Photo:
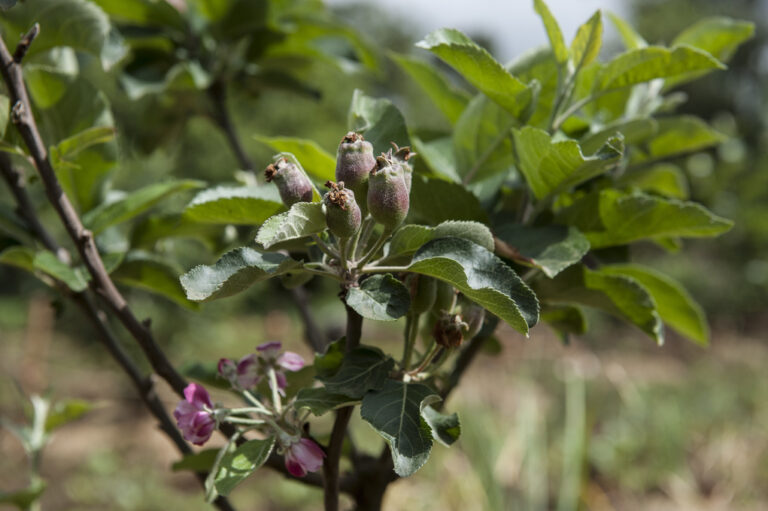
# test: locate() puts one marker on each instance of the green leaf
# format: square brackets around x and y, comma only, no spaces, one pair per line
[448,99]
[551,248]
[585,46]
[646,64]
[380,297]
[434,201]
[64,412]
[5,113]
[143,12]
[611,218]
[565,320]
[246,205]
[181,77]
[133,204]
[197,461]
[70,147]
[538,64]
[663,179]
[634,132]
[328,363]
[319,401]
[678,135]
[410,237]
[236,271]
[616,294]
[7,4]
[556,40]
[718,36]
[242,462]
[87,28]
[314,159]
[20,257]
[48,75]
[481,276]
[303,219]
[632,40]
[395,412]
[149,272]
[157,227]
[482,143]
[479,68]
[380,121]
[75,278]
[676,307]
[445,428]
[554,167]
[24,498]
[364,368]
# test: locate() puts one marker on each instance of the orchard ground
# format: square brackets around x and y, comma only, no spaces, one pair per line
[673,427]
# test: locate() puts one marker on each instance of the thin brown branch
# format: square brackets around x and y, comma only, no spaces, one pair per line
[333,452]
[217,92]
[21,115]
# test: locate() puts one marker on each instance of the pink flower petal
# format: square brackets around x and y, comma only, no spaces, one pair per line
[269,350]
[290,361]
[197,396]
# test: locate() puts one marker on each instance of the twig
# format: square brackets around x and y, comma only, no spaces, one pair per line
[218,94]
[463,361]
[333,452]
[98,318]
[311,330]
[21,115]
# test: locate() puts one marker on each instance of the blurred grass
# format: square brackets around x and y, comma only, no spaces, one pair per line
[618,425]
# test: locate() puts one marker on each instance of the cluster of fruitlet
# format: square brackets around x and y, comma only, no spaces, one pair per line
[384,181]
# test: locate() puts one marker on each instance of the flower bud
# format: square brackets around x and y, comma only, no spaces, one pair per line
[423,290]
[473,315]
[292,183]
[388,200]
[342,214]
[449,330]
[354,161]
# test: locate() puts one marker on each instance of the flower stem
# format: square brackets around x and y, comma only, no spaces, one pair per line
[276,402]
[411,332]
[376,247]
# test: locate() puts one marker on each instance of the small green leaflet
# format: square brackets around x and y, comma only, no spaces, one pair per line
[551,248]
[246,205]
[236,271]
[319,401]
[303,219]
[380,121]
[380,297]
[364,368]
[236,466]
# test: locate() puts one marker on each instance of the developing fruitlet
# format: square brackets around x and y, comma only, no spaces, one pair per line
[292,183]
[473,315]
[388,200]
[423,290]
[449,330]
[402,155]
[342,214]
[444,296]
[354,161]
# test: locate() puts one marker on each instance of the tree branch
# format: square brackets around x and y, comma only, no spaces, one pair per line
[333,452]
[218,94]
[144,385]
[21,115]
[312,332]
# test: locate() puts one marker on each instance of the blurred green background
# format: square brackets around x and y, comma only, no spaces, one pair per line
[671,427]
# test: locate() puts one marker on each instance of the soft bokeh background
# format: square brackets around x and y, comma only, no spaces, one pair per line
[671,427]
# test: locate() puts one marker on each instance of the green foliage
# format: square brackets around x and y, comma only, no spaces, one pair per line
[302,220]
[380,297]
[236,466]
[481,276]
[395,412]
[362,369]
[552,248]
[228,205]
[319,401]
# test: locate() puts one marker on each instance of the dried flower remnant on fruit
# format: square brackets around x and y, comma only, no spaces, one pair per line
[473,316]
[402,155]
[449,330]
[342,213]
[292,183]
[388,194]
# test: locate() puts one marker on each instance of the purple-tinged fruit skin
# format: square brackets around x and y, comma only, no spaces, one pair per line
[294,186]
[388,194]
[342,213]
[354,161]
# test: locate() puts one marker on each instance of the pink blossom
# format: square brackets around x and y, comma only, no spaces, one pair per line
[194,415]
[244,375]
[290,361]
[303,456]
[269,350]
